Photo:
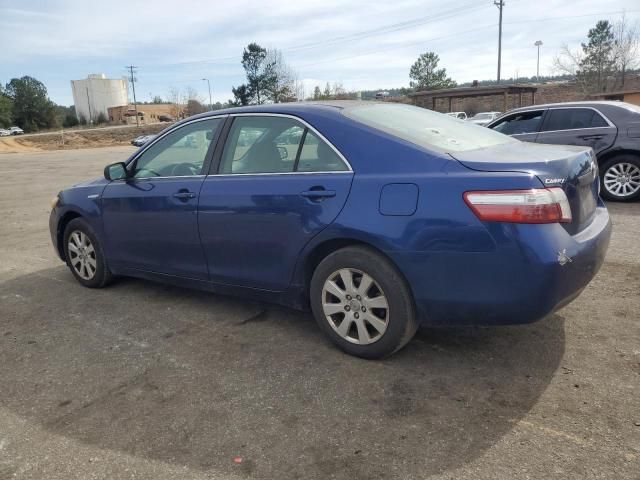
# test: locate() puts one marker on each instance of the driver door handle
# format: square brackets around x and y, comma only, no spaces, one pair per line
[184,195]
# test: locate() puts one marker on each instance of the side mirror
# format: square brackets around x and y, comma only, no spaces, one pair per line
[115,171]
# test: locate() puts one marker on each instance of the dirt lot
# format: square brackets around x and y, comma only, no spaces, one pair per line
[72,139]
[146,381]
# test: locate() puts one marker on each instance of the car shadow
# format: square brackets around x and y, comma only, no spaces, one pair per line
[197,379]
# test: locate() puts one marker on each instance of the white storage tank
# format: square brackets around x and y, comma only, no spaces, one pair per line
[96,94]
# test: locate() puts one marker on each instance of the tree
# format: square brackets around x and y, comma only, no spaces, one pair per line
[598,61]
[317,94]
[6,109]
[157,99]
[177,101]
[283,85]
[241,96]
[626,47]
[32,108]
[326,95]
[194,107]
[260,73]
[425,74]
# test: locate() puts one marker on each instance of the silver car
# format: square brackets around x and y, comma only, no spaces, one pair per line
[612,129]
[484,118]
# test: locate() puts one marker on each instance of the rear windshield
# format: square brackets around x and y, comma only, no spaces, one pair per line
[426,128]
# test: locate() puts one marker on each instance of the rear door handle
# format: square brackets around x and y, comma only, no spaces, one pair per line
[318,194]
[184,195]
[591,137]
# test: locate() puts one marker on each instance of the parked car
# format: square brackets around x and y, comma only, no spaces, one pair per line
[458,115]
[612,129]
[4,132]
[484,118]
[166,118]
[16,131]
[381,95]
[386,217]
[142,139]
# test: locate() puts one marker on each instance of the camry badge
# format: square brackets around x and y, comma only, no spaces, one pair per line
[553,181]
[563,258]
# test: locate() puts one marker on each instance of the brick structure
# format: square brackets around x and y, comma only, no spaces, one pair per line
[506,97]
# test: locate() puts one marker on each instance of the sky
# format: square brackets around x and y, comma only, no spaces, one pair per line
[362,44]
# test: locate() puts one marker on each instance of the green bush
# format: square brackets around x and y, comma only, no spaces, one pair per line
[70,120]
[102,118]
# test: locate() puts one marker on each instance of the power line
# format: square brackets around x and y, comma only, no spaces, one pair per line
[457,34]
[384,29]
[132,68]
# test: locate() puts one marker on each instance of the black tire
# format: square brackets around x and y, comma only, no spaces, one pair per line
[619,163]
[101,274]
[400,317]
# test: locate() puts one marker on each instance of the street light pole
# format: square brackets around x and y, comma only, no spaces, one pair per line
[538,44]
[209,84]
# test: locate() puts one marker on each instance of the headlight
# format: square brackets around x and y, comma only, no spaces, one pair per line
[54,201]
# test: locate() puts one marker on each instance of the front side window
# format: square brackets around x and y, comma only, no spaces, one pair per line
[426,128]
[573,119]
[180,153]
[519,123]
[273,144]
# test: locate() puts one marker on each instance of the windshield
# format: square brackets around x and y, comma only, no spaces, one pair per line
[482,116]
[426,128]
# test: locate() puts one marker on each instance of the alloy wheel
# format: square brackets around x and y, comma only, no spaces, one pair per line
[355,306]
[622,179]
[82,254]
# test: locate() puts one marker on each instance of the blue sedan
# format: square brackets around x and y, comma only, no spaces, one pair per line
[377,216]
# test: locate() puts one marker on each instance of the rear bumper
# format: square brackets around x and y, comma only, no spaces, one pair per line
[521,281]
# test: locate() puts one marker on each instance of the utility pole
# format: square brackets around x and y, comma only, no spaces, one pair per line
[210,102]
[538,44]
[89,105]
[133,86]
[500,5]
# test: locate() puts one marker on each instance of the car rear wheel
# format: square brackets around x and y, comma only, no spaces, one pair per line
[620,178]
[84,255]
[362,303]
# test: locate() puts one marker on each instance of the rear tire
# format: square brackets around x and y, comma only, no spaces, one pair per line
[84,255]
[362,303]
[620,178]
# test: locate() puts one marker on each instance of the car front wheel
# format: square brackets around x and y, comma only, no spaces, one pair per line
[362,303]
[620,178]
[84,255]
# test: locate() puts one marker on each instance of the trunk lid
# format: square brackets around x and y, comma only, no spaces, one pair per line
[574,169]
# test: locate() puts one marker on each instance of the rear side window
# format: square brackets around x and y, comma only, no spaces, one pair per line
[519,123]
[573,119]
[273,144]
[317,156]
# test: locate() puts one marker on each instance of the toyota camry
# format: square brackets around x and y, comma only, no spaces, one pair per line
[378,217]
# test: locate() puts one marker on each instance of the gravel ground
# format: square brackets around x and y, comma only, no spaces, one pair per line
[146,381]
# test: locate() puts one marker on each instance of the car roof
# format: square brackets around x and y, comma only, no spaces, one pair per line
[586,103]
[293,107]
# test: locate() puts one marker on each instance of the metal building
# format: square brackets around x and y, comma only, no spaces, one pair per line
[96,94]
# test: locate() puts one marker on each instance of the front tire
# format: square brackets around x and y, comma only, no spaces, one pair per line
[84,255]
[620,178]
[362,303]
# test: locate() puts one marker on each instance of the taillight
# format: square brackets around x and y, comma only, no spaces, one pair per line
[538,205]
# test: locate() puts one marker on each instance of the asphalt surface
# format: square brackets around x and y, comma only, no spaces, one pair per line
[146,381]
